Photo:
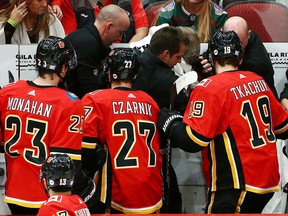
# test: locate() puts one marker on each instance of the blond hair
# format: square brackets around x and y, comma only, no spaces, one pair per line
[193,48]
[42,23]
[204,28]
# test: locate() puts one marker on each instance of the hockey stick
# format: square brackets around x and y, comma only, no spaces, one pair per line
[181,83]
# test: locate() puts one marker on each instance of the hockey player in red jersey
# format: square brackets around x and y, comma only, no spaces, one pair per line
[236,116]
[57,177]
[39,119]
[125,121]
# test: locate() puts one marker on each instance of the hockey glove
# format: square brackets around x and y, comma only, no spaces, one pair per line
[100,156]
[167,119]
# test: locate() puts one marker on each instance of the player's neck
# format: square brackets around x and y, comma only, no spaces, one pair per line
[219,69]
[121,83]
[48,80]
[54,193]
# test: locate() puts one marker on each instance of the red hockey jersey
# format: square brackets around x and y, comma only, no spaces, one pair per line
[64,205]
[125,121]
[243,117]
[37,121]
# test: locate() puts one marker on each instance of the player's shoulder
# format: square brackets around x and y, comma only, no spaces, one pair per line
[217,82]
[71,96]
[64,95]
[143,96]
[65,100]
[247,76]
[97,95]
[15,84]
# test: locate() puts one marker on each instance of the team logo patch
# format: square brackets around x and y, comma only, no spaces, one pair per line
[218,9]
[49,159]
[72,96]
[114,76]
[61,44]
[192,17]
[204,82]
[170,6]
[52,67]
[51,182]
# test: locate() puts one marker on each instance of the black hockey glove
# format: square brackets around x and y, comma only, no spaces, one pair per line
[100,155]
[94,159]
[167,119]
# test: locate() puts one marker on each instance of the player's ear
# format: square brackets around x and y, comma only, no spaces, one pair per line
[64,70]
[109,77]
[44,183]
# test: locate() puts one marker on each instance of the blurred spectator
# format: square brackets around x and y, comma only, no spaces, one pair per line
[92,46]
[139,25]
[25,22]
[73,14]
[204,16]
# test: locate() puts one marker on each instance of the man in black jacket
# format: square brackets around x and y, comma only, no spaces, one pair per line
[155,77]
[92,46]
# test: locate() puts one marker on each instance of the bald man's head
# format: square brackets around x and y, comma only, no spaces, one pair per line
[240,26]
[112,13]
[112,22]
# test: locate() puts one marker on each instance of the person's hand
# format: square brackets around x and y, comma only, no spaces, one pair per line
[167,119]
[58,12]
[207,67]
[19,12]
[284,103]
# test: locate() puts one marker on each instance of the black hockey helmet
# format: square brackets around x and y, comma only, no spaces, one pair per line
[225,44]
[54,52]
[58,172]
[122,64]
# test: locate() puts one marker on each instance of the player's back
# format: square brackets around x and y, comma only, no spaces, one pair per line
[243,114]
[37,121]
[126,122]
[71,205]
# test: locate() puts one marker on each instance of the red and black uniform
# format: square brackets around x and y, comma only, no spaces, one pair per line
[125,120]
[37,121]
[71,205]
[236,115]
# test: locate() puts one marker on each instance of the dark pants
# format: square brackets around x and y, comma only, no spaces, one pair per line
[236,201]
[16,209]
[172,201]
